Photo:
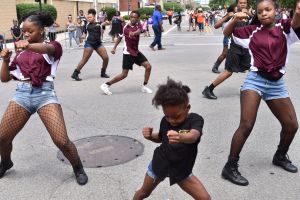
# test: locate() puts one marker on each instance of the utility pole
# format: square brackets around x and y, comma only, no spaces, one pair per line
[128,6]
[40,2]
[95,7]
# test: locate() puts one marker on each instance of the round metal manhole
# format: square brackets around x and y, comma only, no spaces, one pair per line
[106,150]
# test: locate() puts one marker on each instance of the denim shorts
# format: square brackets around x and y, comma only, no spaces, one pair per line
[94,46]
[225,41]
[267,89]
[151,173]
[33,98]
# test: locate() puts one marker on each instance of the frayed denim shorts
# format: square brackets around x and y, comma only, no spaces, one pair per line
[267,89]
[33,98]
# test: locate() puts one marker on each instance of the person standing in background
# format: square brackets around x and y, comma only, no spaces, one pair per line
[84,22]
[157,28]
[52,31]
[170,15]
[16,32]
[102,17]
[71,27]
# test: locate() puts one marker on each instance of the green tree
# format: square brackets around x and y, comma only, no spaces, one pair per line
[146,10]
[287,3]
[174,6]
[110,12]
[25,8]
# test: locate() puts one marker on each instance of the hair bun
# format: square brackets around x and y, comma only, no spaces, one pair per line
[186,88]
[41,17]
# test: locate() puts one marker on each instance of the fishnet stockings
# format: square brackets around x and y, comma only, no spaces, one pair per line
[52,117]
[13,120]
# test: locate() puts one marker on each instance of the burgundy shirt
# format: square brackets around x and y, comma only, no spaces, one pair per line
[28,65]
[269,47]
[131,43]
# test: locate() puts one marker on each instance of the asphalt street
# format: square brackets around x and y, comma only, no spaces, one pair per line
[189,56]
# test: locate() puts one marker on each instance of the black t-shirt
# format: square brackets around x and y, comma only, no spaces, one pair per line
[16,30]
[176,160]
[94,33]
[84,20]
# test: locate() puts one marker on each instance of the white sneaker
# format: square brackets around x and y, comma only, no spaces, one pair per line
[146,90]
[105,88]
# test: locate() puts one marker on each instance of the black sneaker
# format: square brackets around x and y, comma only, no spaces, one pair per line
[208,94]
[4,166]
[81,176]
[231,173]
[284,162]
[104,76]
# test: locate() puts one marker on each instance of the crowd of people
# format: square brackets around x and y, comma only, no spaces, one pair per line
[253,35]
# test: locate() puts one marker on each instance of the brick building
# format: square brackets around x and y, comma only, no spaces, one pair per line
[125,5]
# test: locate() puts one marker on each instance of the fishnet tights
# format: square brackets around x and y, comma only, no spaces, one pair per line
[52,117]
[14,119]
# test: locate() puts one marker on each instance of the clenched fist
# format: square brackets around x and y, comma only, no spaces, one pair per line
[5,54]
[147,132]
[173,136]
[21,45]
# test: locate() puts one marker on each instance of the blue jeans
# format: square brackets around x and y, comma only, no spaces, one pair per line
[72,35]
[157,38]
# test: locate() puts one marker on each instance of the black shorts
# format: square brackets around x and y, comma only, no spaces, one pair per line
[237,59]
[129,60]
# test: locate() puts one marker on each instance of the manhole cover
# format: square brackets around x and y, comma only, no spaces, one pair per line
[106,150]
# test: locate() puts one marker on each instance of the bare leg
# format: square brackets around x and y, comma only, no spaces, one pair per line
[220,59]
[222,77]
[147,67]
[103,54]
[223,54]
[148,186]
[87,52]
[195,188]
[119,77]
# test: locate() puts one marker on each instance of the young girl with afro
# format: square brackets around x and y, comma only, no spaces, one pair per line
[179,135]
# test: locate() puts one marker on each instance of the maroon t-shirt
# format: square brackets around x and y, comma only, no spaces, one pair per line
[269,47]
[131,43]
[28,65]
